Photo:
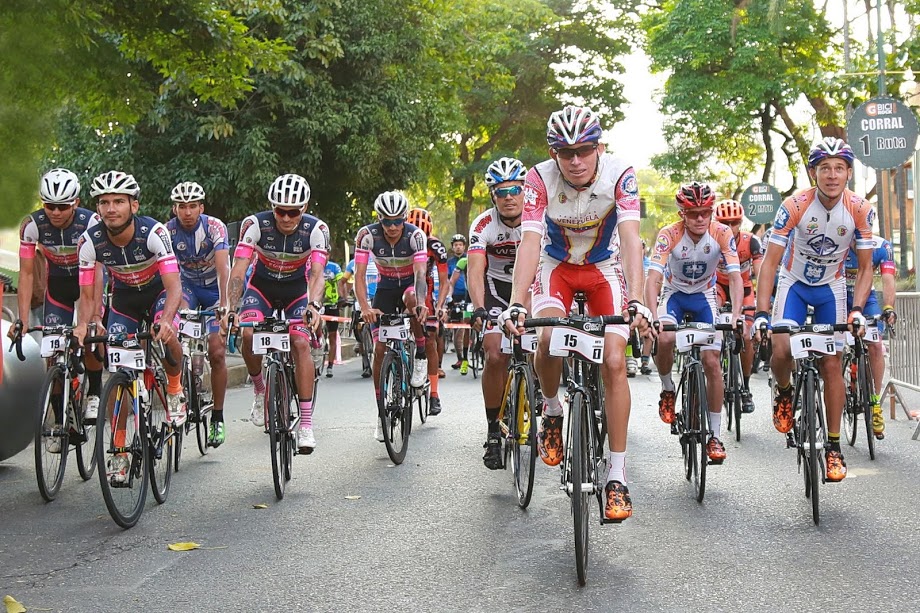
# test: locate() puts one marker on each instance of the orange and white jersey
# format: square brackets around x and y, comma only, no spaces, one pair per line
[817,239]
[690,267]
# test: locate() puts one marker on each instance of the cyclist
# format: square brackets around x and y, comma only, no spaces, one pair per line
[371,284]
[288,245]
[685,259]
[826,219]
[574,205]
[731,213]
[494,238]
[883,261]
[55,229]
[437,270]
[458,300]
[138,254]
[333,299]
[202,249]
[401,251]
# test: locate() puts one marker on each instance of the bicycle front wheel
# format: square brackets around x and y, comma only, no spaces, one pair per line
[851,403]
[523,434]
[278,403]
[700,431]
[736,386]
[122,452]
[582,482]
[162,442]
[86,444]
[51,434]
[392,407]
[866,389]
[810,408]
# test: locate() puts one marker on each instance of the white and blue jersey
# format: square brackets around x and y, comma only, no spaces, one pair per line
[882,262]
[196,249]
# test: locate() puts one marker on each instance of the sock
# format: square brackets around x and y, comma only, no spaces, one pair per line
[258,383]
[553,407]
[306,413]
[617,461]
[873,399]
[95,382]
[833,439]
[747,383]
[715,423]
[466,351]
[420,348]
[667,384]
[645,360]
[174,383]
[217,416]
[433,380]
[492,419]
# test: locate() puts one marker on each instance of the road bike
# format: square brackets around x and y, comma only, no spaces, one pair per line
[517,416]
[860,385]
[193,336]
[732,376]
[394,405]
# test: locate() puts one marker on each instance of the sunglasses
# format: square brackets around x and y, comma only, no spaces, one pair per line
[289,213]
[582,152]
[392,222]
[504,192]
[54,206]
[698,214]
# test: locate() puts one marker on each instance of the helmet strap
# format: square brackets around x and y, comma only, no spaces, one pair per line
[116,231]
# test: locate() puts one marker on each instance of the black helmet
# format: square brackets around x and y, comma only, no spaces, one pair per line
[458,238]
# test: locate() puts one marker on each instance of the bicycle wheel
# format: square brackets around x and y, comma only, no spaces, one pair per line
[736,386]
[367,344]
[582,482]
[86,435]
[203,425]
[278,414]
[851,404]
[52,441]
[124,498]
[809,408]
[420,397]
[866,388]
[523,433]
[391,407]
[700,432]
[163,444]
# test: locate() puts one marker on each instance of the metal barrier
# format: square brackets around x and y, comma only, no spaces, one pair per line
[904,347]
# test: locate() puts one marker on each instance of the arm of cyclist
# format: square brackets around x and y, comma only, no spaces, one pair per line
[653,290]
[173,286]
[861,289]
[765,284]
[476,285]
[315,292]
[525,269]
[363,244]
[889,291]
[631,250]
[222,260]
[24,295]
[235,286]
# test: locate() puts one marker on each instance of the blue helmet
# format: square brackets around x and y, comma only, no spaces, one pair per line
[830,147]
[573,125]
[505,169]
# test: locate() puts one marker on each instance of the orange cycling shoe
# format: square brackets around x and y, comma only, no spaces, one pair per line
[618,506]
[782,410]
[549,439]
[715,450]
[666,407]
[836,467]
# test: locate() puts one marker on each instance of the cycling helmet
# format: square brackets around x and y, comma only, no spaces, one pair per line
[114,182]
[289,190]
[391,204]
[830,147]
[505,169]
[695,196]
[573,125]
[457,238]
[59,186]
[421,219]
[729,210]
[187,191]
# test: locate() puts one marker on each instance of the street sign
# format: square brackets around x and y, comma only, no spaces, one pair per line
[883,133]
[760,202]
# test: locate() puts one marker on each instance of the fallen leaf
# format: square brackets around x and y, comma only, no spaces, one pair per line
[13,605]
[260,506]
[352,498]
[182,546]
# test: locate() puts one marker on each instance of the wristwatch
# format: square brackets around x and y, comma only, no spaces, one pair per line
[319,307]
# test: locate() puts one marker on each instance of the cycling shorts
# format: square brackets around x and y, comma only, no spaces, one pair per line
[263,297]
[458,306]
[205,298]
[60,296]
[700,307]
[603,284]
[828,301]
[130,307]
[332,311]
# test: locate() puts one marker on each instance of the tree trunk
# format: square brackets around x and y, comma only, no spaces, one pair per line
[462,207]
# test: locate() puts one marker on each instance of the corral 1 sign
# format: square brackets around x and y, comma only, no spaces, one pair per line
[883,133]
[760,202]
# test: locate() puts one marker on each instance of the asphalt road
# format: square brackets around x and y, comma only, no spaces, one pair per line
[442,533]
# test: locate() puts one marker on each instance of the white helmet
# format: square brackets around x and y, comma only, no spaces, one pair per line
[573,125]
[289,190]
[391,204]
[114,182]
[505,169]
[59,186]
[187,191]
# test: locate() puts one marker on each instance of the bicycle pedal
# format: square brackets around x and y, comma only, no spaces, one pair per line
[790,442]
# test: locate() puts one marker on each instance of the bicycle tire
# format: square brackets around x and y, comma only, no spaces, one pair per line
[866,389]
[422,400]
[737,385]
[49,467]
[124,503]
[810,409]
[851,402]
[276,435]
[86,446]
[391,407]
[202,428]
[367,343]
[698,447]
[161,440]
[523,435]
[579,498]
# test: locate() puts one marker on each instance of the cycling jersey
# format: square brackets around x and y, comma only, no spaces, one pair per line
[282,257]
[690,267]
[815,254]
[59,245]
[578,225]
[394,262]
[882,261]
[138,265]
[332,274]
[370,276]
[749,253]
[460,285]
[196,249]
[437,262]
[489,235]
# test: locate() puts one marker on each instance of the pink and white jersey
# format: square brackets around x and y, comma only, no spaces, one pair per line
[816,239]
[146,257]
[578,226]
[490,235]
[283,257]
[59,245]
[690,267]
[395,262]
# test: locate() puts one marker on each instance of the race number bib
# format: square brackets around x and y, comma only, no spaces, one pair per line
[263,341]
[120,357]
[569,340]
[394,333]
[53,343]
[807,342]
[725,318]
[191,329]
[692,336]
[872,336]
[528,343]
